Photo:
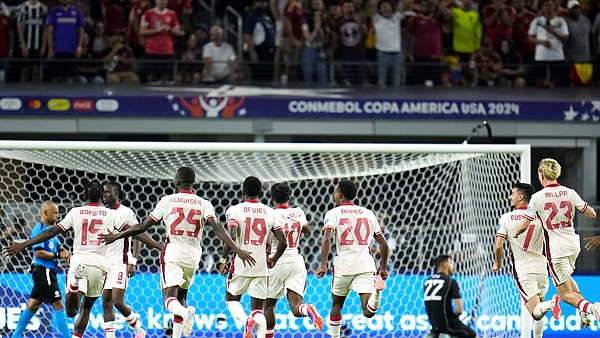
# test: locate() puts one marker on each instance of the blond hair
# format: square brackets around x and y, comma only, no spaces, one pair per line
[550,168]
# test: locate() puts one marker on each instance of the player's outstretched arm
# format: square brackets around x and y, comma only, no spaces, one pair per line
[522,227]
[128,231]
[146,239]
[325,250]
[384,253]
[281,246]
[45,235]
[224,236]
[498,252]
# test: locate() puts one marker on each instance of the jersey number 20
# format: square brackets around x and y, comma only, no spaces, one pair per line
[361,231]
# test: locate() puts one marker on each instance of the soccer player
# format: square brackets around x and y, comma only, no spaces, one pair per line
[440,290]
[289,274]
[45,287]
[249,223]
[555,205]
[353,267]
[529,265]
[122,266]
[88,264]
[184,214]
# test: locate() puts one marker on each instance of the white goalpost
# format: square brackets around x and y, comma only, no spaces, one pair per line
[433,199]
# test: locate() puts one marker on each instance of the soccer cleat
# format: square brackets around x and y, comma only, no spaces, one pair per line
[584,319]
[188,321]
[248,328]
[379,283]
[315,317]
[141,334]
[79,272]
[556,313]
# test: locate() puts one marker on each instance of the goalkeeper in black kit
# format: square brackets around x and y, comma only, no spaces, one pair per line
[439,291]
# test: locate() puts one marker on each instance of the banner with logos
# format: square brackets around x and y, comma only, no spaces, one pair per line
[259,104]
[397,317]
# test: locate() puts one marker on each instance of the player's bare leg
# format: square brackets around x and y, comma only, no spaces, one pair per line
[84,316]
[301,309]
[237,311]
[270,304]
[370,301]
[538,308]
[118,297]
[258,316]
[109,313]
[585,319]
[73,296]
[575,299]
[183,315]
[335,316]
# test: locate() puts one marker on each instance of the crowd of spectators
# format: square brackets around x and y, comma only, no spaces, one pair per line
[374,42]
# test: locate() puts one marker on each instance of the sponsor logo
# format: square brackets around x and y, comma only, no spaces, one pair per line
[83,105]
[59,104]
[9,103]
[210,107]
[34,104]
[107,105]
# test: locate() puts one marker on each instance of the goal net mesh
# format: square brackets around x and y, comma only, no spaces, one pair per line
[430,204]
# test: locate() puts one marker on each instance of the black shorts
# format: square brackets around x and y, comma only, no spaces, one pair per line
[45,285]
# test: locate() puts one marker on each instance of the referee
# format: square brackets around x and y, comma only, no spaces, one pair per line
[45,286]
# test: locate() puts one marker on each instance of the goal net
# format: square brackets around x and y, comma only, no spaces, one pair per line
[432,200]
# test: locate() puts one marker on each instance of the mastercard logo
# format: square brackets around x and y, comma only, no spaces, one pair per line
[34,104]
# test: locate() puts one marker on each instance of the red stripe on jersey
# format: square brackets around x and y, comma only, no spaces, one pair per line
[126,242]
[549,258]
[162,262]
[585,206]
[61,227]
[232,223]
[122,226]
[154,218]
[378,233]
[501,235]
[516,276]
[530,231]
[209,217]
[327,227]
[528,217]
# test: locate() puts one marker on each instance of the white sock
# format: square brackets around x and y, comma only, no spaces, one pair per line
[335,324]
[541,309]
[134,322]
[175,307]
[109,329]
[177,330]
[373,302]
[260,322]
[538,328]
[237,311]
[303,309]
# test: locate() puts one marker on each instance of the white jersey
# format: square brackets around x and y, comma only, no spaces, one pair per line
[254,221]
[88,222]
[119,251]
[525,250]
[354,228]
[293,221]
[184,215]
[555,205]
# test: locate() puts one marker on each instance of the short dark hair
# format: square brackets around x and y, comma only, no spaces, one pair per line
[186,175]
[281,192]
[94,191]
[526,189]
[383,2]
[348,189]
[116,185]
[438,261]
[252,186]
